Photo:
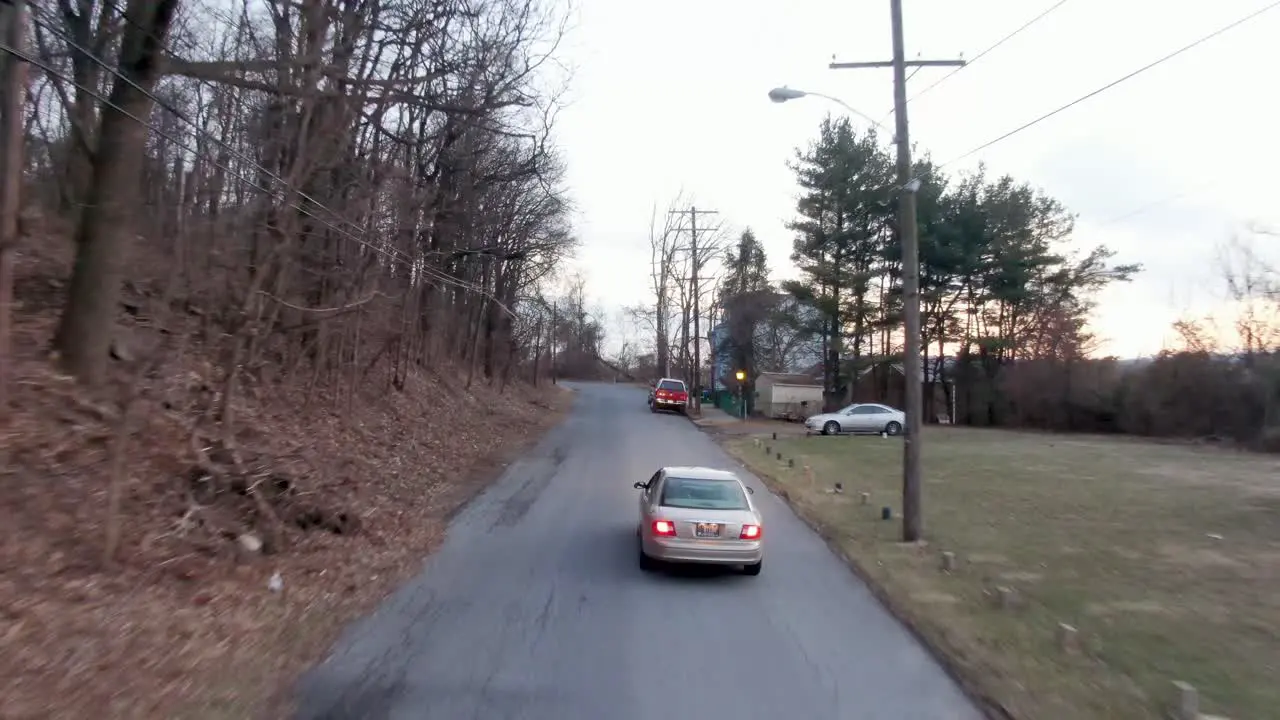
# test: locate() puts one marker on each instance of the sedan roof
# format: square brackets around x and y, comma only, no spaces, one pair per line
[700,473]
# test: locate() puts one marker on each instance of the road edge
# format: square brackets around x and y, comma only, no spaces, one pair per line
[281,701]
[971,686]
[484,475]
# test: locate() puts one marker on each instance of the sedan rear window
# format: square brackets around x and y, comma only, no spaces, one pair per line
[703,494]
[675,385]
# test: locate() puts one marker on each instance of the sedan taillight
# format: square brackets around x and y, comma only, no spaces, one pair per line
[664,528]
[750,532]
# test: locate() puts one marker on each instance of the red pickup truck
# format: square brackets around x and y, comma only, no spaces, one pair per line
[669,394]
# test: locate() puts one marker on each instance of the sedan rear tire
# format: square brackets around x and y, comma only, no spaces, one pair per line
[647,564]
[752,569]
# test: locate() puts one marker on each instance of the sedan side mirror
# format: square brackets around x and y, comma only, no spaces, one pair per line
[750,490]
[640,486]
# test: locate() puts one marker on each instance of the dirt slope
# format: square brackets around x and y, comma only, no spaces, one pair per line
[356,491]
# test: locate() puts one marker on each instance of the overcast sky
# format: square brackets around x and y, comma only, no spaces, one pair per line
[671,94]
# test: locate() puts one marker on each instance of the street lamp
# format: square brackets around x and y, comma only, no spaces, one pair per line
[742,393]
[784,93]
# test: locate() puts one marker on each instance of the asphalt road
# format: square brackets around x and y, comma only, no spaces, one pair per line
[534,608]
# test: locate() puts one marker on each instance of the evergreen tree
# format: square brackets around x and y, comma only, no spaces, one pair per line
[998,279]
[844,218]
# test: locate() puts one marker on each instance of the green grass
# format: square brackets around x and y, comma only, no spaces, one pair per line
[1113,536]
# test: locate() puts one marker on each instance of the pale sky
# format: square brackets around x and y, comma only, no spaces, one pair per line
[671,94]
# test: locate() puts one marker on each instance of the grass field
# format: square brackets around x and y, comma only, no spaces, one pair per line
[1165,558]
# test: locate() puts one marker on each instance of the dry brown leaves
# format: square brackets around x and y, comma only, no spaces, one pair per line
[186,625]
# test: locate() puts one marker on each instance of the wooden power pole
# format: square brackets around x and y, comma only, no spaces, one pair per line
[695,261]
[912,369]
[13,85]
[552,340]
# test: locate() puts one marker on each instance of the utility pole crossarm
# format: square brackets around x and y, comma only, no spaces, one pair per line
[701,229]
[889,64]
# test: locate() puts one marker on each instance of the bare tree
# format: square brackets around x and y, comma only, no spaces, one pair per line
[331,193]
[405,140]
[1253,287]
[665,245]
[102,237]
[695,284]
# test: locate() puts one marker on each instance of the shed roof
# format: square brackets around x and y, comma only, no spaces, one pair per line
[789,379]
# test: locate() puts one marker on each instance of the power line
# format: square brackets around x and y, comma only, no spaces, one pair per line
[1110,85]
[1147,207]
[1144,208]
[194,125]
[163,43]
[977,57]
[992,47]
[392,254]
[183,117]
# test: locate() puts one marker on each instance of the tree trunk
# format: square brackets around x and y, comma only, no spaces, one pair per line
[103,233]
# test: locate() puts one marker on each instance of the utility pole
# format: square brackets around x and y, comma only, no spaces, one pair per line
[13,85]
[912,370]
[693,282]
[552,339]
[697,337]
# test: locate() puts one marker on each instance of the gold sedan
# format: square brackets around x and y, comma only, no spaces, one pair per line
[699,515]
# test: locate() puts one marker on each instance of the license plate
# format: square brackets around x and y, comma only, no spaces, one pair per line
[707,530]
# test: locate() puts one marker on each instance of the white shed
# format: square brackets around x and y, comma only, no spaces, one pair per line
[788,396]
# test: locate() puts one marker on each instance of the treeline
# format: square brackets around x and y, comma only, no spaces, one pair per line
[1225,397]
[331,191]
[1219,381]
[997,284]
[1005,306]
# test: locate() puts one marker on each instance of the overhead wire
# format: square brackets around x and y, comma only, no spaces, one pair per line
[392,254]
[1149,206]
[1203,39]
[989,49]
[164,43]
[190,45]
[183,145]
[977,57]
[183,117]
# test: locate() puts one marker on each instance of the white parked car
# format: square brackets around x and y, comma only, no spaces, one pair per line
[859,418]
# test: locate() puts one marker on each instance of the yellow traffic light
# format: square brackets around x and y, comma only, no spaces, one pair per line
[740,375]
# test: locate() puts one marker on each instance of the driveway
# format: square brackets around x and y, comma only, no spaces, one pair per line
[534,608]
